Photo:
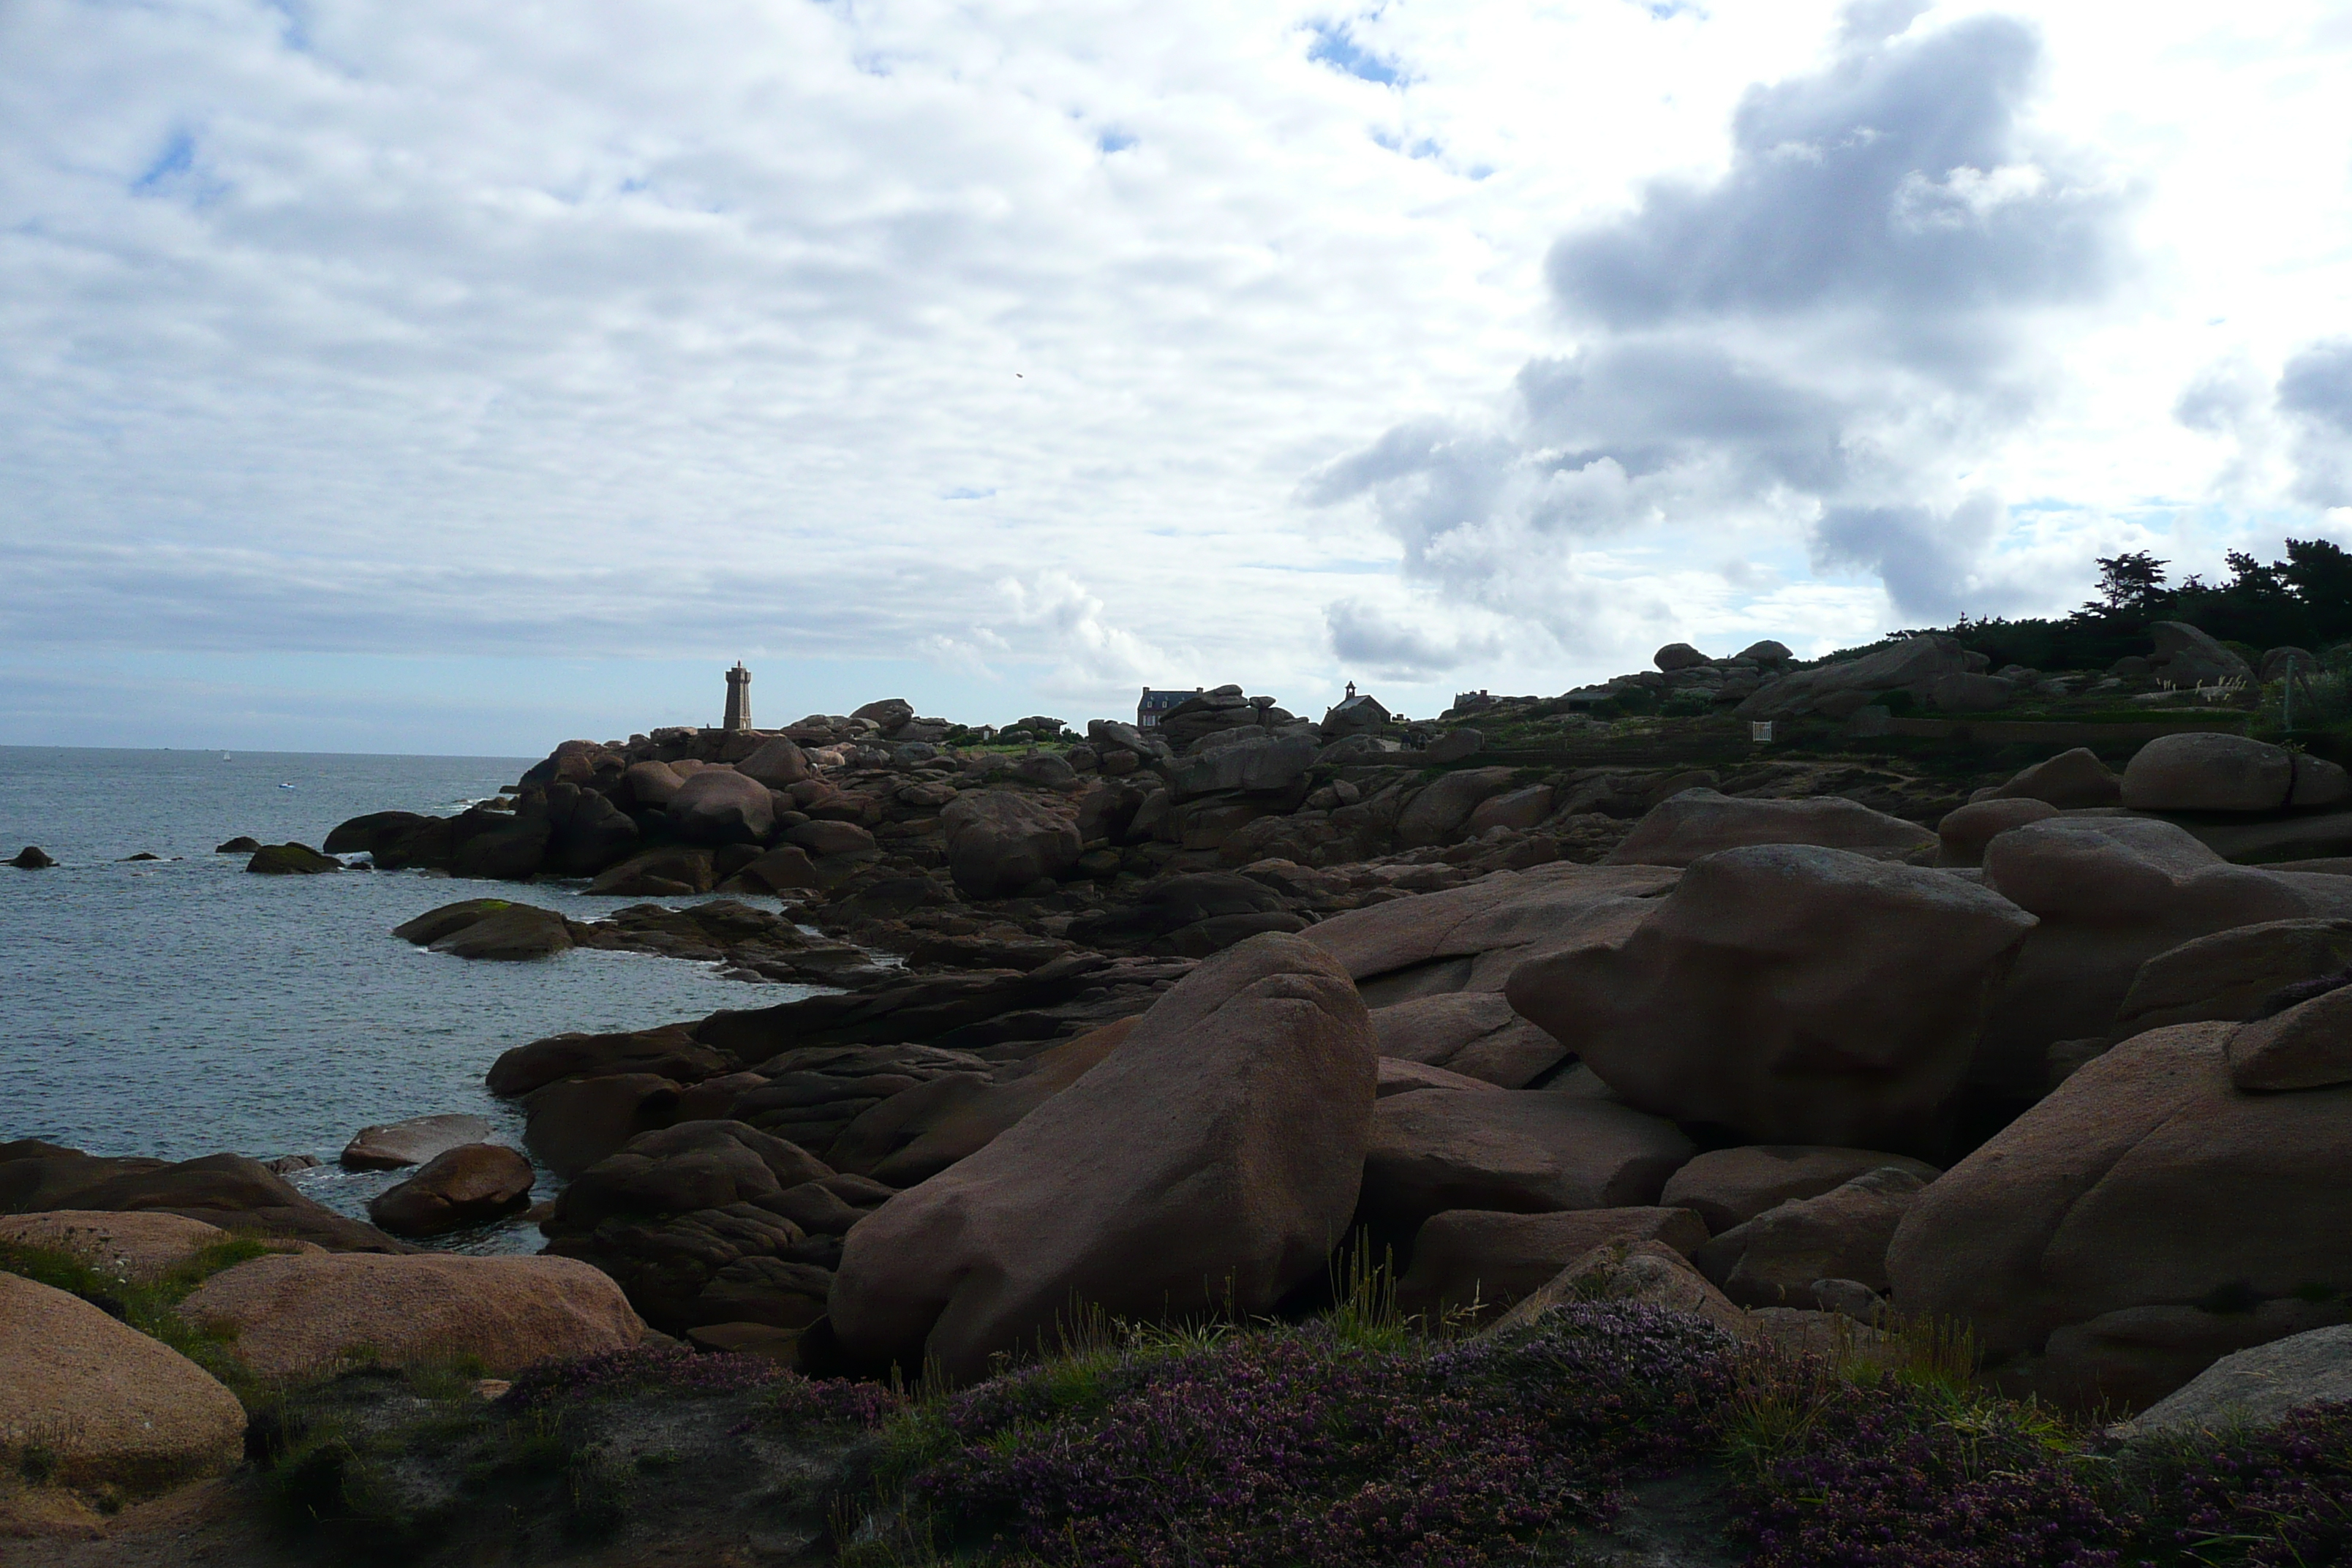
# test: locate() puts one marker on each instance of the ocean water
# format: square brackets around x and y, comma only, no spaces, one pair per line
[181,1006]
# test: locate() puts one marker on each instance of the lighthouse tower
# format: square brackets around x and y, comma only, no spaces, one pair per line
[738,698]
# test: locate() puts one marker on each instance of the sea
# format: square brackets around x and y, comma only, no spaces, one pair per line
[180,1006]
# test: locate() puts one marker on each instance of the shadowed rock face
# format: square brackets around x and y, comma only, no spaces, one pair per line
[2112,893]
[1773,1259]
[1793,993]
[1728,1187]
[1529,1151]
[227,1190]
[461,1187]
[1258,1075]
[2145,1183]
[719,806]
[1000,841]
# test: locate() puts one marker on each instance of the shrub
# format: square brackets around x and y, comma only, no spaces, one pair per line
[1306,1445]
[1896,1474]
[2276,1498]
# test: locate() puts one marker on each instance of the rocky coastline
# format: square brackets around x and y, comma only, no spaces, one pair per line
[1901,1055]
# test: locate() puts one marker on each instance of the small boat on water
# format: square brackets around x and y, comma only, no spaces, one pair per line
[285,786]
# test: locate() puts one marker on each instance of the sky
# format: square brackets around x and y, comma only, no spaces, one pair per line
[445,378]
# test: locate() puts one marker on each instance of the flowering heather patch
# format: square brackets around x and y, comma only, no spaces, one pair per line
[620,1371]
[2279,1499]
[1303,1446]
[801,1398]
[1887,1475]
[1636,1383]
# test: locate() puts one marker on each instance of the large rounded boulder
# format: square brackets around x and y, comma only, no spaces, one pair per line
[2209,772]
[462,1186]
[110,1410]
[719,805]
[2146,1217]
[1211,1161]
[1000,841]
[292,1316]
[1795,993]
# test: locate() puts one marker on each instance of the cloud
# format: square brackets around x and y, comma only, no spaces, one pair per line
[427,331]
[2315,393]
[1378,640]
[1896,185]
[1824,340]
[1924,557]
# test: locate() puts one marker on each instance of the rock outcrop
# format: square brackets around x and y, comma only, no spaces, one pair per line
[1646,1272]
[227,1190]
[1528,1152]
[1000,842]
[1793,993]
[2252,1389]
[2233,974]
[2208,773]
[1258,1068]
[394,1145]
[1728,1187]
[1700,822]
[2308,1046]
[2186,656]
[465,1185]
[116,1415]
[1913,665]
[2070,780]
[294,1316]
[2145,1218]
[290,860]
[2110,893]
[1474,1033]
[138,1247]
[719,805]
[1773,1259]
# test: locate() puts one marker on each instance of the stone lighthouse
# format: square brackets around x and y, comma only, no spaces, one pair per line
[738,698]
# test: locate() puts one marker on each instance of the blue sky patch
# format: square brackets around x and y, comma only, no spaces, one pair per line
[1335,46]
[179,154]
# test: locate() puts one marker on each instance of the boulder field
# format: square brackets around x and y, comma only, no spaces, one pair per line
[1170,1023]
[2070,1085]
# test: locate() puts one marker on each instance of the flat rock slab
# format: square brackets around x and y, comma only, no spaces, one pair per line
[2255,1387]
[394,1145]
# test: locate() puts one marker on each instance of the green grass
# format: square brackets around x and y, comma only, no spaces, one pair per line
[152,1307]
